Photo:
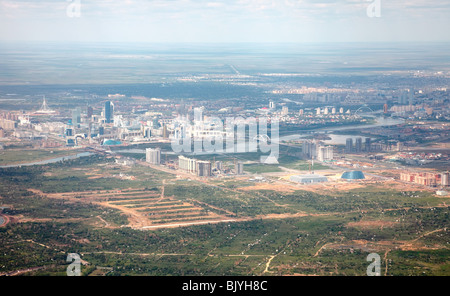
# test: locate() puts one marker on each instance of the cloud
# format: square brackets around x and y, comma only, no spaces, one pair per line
[224,20]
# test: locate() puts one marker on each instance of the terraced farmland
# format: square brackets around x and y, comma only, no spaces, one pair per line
[145,208]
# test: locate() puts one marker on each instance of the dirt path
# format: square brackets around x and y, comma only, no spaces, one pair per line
[187,224]
[318,251]
[104,221]
[428,233]
[268,264]
[21,271]
[162,191]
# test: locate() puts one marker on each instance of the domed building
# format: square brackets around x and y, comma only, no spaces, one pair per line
[353,175]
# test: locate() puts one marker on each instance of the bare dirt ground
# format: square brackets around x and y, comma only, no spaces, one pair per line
[283,185]
[270,186]
[371,224]
[142,208]
[379,246]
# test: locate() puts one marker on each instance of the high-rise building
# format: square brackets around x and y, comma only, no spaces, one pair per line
[165,132]
[358,145]
[403,99]
[109,112]
[198,115]
[239,168]
[368,144]
[444,179]
[203,168]
[187,164]
[146,131]
[385,108]
[309,149]
[349,145]
[300,112]
[153,156]
[272,105]
[284,110]
[325,153]
[76,116]
[69,132]
[89,112]
[219,165]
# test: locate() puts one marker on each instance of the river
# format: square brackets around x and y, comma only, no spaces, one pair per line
[340,139]
[47,161]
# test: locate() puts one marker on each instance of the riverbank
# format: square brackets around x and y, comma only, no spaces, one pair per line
[49,160]
[19,156]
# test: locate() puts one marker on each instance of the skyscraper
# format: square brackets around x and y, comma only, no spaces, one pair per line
[153,156]
[368,144]
[325,153]
[444,179]
[349,145]
[89,112]
[203,168]
[239,168]
[109,112]
[76,116]
[358,145]
[309,149]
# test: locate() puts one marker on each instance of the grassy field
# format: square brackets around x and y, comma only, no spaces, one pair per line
[82,212]
[24,156]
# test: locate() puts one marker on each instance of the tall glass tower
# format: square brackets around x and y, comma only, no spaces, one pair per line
[109,112]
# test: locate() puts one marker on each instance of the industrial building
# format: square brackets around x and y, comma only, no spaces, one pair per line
[353,175]
[308,179]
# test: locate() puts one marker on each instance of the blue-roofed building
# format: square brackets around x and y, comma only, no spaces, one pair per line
[353,175]
[111,143]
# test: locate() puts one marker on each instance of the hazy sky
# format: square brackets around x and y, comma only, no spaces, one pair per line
[224,20]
